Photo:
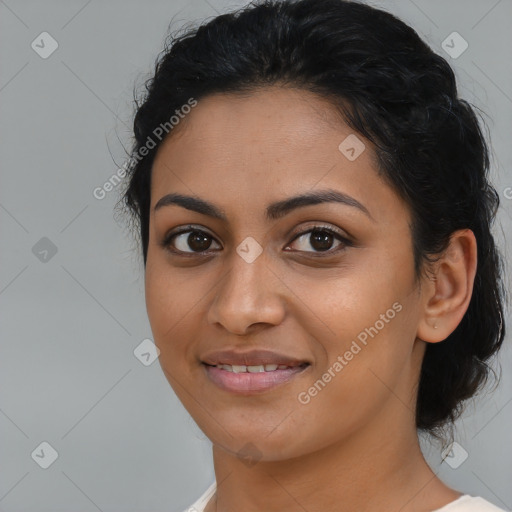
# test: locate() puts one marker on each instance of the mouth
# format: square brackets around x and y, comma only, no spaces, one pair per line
[250,379]
[252,371]
[257,368]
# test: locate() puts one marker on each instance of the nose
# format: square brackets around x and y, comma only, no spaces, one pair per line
[249,296]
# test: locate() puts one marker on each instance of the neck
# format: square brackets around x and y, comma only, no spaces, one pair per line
[379,467]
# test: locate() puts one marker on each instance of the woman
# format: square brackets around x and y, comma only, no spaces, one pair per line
[321,279]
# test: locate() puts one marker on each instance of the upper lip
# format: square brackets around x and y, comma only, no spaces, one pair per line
[250,358]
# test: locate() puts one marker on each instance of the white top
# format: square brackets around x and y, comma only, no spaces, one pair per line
[464,503]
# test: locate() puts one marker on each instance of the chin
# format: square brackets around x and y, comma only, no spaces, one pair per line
[247,442]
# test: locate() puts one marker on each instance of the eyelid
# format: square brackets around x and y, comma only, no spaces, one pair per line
[166,241]
[321,227]
[345,240]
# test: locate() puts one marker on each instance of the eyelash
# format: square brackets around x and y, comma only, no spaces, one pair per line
[166,243]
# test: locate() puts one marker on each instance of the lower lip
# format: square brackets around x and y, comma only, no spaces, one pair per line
[246,383]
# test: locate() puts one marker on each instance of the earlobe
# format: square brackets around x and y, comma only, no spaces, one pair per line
[447,294]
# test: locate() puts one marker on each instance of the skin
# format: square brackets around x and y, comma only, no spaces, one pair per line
[354,446]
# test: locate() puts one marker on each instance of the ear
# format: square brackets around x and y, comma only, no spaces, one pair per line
[447,292]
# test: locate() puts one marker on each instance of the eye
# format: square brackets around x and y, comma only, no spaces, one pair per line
[193,241]
[321,238]
[188,238]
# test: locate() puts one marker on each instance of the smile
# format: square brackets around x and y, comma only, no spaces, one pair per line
[251,379]
[242,368]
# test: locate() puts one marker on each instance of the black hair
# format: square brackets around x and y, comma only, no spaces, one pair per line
[388,86]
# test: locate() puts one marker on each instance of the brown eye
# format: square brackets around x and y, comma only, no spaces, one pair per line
[189,241]
[320,239]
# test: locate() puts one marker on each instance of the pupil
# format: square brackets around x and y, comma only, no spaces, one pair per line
[198,242]
[321,241]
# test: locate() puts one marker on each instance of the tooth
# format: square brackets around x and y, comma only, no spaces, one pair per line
[282,367]
[239,368]
[270,367]
[226,367]
[256,369]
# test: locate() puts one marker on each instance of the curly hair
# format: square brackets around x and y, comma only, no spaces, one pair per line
[390,87]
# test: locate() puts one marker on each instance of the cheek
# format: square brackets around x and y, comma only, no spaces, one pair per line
[166,302]
[167,308]
[367,335]
[167,289]
[351,304]
[175,303]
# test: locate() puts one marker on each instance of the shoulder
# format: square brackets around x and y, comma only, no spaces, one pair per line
[200,504]
[467,503]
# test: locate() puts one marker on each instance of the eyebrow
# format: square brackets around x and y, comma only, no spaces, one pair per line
[274,211]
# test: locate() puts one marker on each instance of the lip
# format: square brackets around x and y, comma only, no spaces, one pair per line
[251,383]
[252,357]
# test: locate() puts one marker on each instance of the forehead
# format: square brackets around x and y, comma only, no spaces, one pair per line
[262,146]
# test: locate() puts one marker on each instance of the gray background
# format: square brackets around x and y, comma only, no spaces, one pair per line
[71,321]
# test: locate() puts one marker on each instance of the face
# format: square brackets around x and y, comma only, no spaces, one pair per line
[325,290]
